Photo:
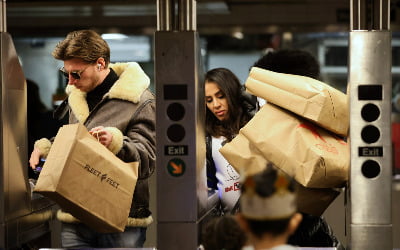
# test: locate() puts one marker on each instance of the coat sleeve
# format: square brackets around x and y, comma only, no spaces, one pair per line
[139,140]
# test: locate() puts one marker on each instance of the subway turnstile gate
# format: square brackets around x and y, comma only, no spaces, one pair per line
[182,200]
[181,175]
[370,89]
[23,217]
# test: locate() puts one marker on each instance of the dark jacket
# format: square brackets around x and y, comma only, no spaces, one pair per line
[314,231]
[128,112]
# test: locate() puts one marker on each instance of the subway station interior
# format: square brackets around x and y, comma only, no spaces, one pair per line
[200,35]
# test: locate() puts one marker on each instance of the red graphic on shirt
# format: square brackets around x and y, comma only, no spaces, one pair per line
[234,187]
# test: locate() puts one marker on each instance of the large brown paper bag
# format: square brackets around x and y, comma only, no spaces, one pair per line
[312,155]
[315,201]
[87,180]
[305,96]
[248,160]
[243,156]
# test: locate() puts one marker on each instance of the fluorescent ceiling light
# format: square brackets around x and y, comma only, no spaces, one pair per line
[238,35]
[212,8]
[113,36]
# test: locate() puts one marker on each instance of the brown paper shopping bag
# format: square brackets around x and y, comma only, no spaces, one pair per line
[315,200]
[248,160]
[243,156]
[313,156]
[87,180]
[305,96]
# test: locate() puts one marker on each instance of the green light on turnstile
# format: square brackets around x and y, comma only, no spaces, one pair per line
[176,167]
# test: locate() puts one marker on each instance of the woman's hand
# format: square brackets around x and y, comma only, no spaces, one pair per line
[102,135]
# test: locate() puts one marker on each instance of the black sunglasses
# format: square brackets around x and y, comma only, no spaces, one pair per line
[75,74]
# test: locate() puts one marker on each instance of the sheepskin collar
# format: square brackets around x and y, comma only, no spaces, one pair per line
[131,84]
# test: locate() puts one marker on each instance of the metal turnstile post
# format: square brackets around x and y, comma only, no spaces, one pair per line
[370,90]
[181,177]
[23,219]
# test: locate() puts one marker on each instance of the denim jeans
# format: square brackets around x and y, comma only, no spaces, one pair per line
[81,236]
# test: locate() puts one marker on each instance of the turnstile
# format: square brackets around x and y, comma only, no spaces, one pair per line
[23,218]
[181,174]
[370,90]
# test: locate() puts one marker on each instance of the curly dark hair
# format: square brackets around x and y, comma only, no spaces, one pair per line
[223,233]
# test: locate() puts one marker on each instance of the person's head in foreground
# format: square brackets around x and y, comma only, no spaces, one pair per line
[268,208]
[223,232]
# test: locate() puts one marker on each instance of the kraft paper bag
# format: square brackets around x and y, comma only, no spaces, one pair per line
[243,156]
[315,201]
[315,157]
[305,96]
[248,160]
[87,180]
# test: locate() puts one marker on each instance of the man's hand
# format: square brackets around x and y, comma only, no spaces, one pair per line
[34,160]
[102,135]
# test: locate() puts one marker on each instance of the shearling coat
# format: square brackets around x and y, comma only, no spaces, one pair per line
[128,112]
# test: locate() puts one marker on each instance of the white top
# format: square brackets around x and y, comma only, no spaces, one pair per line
[228,178]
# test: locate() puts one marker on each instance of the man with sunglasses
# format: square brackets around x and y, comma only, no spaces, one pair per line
[114,103]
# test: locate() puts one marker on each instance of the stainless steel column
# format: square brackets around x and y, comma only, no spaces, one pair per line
[181,177]
[370,87]
[22,219]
